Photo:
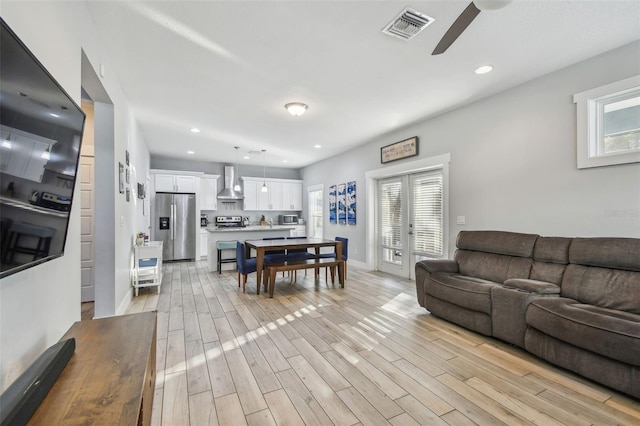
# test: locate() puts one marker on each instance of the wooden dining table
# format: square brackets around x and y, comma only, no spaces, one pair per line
[263,246]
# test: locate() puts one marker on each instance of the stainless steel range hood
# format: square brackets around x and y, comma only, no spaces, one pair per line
[229,180]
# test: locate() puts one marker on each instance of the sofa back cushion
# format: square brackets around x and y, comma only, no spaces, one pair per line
[550,257]
[494,255]
[498,242]
[615,253]
[492,267]
[604,272]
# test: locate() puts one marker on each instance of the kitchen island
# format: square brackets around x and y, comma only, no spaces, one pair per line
[256,232]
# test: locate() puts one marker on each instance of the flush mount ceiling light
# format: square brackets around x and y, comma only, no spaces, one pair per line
[190,152]
[317,146]
[195,130]
[296,108]
[484,69]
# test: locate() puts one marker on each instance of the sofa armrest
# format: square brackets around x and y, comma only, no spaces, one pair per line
[426,267]
[438,265]
[532,286]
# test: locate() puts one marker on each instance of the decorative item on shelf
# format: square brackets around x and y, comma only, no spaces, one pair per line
[399,150]
[262,220]
[140,238]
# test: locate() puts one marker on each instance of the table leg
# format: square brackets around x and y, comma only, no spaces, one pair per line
[259,266]
[341,273]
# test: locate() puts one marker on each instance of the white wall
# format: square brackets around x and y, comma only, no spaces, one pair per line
[39,304]
[513,161]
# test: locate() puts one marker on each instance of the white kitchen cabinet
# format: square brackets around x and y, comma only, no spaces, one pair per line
[292,196]
[274,196]
[175,183]
[204,237]
[208,192]
[281,195]
[251,190]
[298,231]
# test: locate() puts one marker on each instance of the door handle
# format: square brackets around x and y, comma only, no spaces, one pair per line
[173,221]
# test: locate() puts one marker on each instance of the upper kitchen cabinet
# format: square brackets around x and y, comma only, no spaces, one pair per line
[208,192]
[174,182]
[281,195]
[292,196]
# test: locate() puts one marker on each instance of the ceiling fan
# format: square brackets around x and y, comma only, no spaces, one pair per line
[463,21]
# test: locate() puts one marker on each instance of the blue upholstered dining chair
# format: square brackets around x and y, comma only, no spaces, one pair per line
[275,256]
[345,255]
[299,254]
[245,266]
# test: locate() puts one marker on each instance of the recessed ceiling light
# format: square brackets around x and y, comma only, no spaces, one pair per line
[484,69]
[246,157]
[317,146]
[195,130]
[54,115]
[284,161]
[190,152]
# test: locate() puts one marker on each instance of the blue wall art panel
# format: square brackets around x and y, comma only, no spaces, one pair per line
[342,206]
[332,204]
[351,203]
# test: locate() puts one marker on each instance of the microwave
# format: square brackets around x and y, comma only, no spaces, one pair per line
[288,219]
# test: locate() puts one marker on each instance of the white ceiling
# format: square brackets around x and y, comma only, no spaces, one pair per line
[228,67]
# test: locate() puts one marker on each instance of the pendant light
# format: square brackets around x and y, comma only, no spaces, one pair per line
[236,187]
[264,170]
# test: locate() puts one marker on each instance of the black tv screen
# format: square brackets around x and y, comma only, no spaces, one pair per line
[40,135]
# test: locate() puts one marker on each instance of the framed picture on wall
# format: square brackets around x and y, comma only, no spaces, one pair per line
[332,204]
[342,204]
[121,177]
[351,203]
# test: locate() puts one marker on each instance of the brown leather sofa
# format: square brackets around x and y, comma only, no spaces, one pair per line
[574,302]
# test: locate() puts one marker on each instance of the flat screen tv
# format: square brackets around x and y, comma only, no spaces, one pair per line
[40,135]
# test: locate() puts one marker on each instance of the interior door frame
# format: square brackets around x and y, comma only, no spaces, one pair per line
[371,187]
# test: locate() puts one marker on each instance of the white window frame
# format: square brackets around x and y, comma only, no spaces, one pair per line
[589,132]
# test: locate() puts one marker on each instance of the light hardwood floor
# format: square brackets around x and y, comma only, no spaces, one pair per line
[367,354]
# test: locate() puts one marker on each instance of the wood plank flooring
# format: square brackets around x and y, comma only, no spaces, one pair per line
[367,354]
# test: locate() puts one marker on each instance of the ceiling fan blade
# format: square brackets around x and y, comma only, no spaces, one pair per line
[460,24]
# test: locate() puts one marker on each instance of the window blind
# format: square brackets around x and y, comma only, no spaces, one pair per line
[427,206]
[391,214]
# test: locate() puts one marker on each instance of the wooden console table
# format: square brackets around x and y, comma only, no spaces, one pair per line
[110,379]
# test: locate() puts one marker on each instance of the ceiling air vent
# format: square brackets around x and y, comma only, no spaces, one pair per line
[408,24]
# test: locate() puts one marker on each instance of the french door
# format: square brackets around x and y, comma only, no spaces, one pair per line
[410,226]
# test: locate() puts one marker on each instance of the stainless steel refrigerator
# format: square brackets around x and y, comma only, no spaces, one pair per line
[175,225]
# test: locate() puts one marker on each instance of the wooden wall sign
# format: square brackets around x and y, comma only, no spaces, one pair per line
[399,150]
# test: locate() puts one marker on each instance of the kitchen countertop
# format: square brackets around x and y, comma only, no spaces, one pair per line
[262,228]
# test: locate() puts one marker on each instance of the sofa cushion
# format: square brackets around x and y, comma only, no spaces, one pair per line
[614,253]
[498,242]
[492,267]
[468,292]
[608,332]
[550,256]
[607,288]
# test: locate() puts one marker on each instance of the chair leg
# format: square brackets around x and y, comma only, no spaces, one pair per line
[238,278]
[244,284]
